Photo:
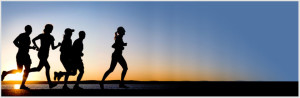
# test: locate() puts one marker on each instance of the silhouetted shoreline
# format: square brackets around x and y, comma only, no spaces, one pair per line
[173,88]
[142,82]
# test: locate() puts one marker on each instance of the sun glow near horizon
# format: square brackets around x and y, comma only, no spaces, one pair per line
[14,77]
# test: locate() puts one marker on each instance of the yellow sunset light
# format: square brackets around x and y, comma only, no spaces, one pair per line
[14,77]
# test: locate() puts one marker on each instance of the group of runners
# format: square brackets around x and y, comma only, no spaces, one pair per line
[70,56]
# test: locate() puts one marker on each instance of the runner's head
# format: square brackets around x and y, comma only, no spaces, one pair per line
[68,32]
[48,28]
[81,34]
[121,30]
[28,29]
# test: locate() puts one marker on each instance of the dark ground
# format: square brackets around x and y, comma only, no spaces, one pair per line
[176,89]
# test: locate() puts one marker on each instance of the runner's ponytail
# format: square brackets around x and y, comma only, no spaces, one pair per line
[116,33]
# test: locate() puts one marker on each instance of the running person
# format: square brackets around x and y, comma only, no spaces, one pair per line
[77,49]
[117,57]
[23,43]
[65,58]
[47,40]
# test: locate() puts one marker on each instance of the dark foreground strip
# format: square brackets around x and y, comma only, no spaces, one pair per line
[178,89]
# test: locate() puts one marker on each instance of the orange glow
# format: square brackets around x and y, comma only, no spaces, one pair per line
[14,77]
[16,86]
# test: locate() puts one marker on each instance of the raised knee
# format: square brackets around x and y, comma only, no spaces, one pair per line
[81,71]
[110,70]
[26,70]
[47,67]
[125,69]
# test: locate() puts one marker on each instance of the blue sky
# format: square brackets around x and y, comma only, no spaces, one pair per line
[176,41]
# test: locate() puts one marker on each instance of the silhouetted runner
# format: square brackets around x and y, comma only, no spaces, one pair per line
[77,49]
[66,58]
[117,57]
[23,58]
[46,41]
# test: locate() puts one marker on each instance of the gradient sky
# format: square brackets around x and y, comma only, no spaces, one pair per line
[167,41]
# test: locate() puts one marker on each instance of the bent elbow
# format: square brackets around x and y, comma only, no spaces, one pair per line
[15,42]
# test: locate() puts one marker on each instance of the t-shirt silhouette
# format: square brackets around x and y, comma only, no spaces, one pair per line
[65,47]
[119,44]
[23,43]
[46,40]
[77,48]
